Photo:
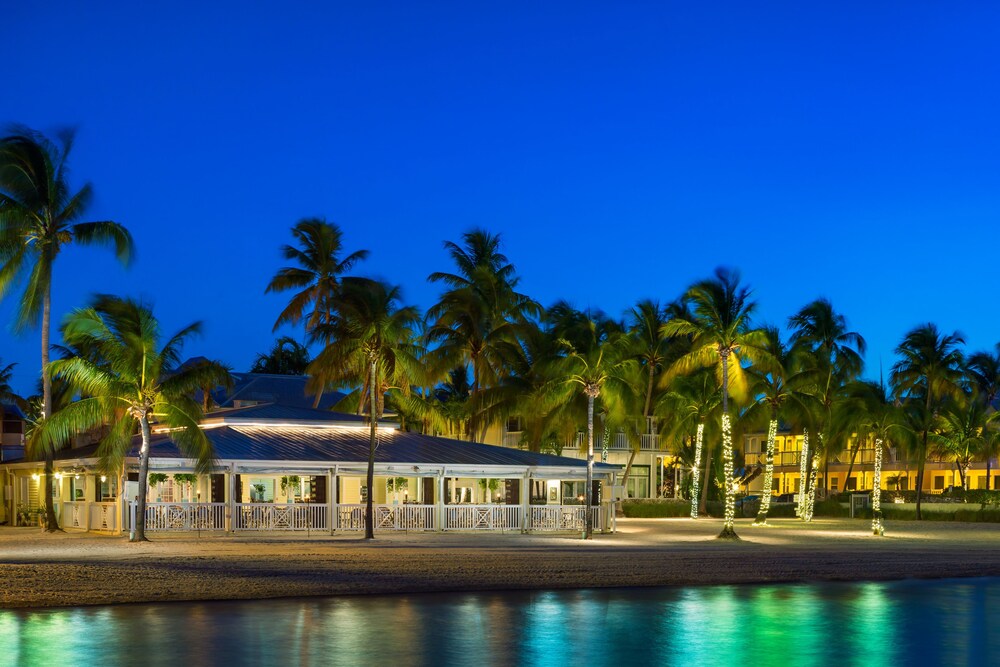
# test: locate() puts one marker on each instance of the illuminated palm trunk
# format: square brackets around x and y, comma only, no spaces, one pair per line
[728,532]
[803,457]
[811,495]
[765,500]
[877,527]
[695,472]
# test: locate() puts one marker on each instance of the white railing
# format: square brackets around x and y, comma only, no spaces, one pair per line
[483,517]
[563,517]
[647,441]
[268,516]
[90,515]
[185,516]
[387,517]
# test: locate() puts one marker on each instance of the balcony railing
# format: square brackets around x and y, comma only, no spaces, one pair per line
[619,442]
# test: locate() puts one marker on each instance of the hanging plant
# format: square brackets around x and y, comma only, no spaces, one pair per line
[156,478]
[290,482]
[183,478]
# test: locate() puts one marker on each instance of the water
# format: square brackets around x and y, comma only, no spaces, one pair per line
[898,623]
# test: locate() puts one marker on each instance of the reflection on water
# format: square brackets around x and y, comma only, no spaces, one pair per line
[941,622]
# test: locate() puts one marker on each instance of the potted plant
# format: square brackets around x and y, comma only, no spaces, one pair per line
[257,493]
[290,482]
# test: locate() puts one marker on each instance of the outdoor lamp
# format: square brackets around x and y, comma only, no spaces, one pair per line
[104,478]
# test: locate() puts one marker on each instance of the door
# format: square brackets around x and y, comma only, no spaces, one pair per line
[427,495]
[218,488]
[513,492]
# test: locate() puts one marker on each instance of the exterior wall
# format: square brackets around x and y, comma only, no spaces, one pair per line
[938,475]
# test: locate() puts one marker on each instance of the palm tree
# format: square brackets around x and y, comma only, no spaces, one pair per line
[832,355]
[7,394]
[316,276]
[688,407]
[983,369]
[929,371]
[871,416]
[39,215]
[373,344]
[597,363]
[286,357]
[476,318]
[136,382]
[963,422]
[655,352]
[722,337]
[774,397]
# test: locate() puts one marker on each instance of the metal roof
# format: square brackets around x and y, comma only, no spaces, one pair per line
[344,444]
[282,412]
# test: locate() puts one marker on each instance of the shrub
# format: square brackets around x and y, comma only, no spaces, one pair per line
[655,509]
[831,507]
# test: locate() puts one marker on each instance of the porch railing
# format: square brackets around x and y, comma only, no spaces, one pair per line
[90,515]
[563,517]
[267,516]
[387,517]
[483,517]
[185,516]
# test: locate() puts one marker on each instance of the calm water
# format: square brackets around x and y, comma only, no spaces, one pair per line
[953,622]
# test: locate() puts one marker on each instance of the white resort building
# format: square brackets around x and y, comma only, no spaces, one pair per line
[287,468]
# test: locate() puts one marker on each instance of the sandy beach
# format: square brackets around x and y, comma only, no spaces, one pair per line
[71,569]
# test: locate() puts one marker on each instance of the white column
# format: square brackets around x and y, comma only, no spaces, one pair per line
[525,498]
[331,499]
[440,501]
[231,505]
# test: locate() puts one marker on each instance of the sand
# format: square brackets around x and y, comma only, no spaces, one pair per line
[72,569]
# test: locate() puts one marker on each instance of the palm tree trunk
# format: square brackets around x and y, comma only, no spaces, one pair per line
[850,467]
[920,472]
[51,523]
[369,501]
[877,527]
[703,501]
[765,499]
[587,491]
[140,511]
[728,531]
[628,471]
[698,440]
[988,461]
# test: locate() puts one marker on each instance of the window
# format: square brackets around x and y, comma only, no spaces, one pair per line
[77,489]
[572,492]
[939,482]
[262,490]
[834,483]
[637,484]
[514,425]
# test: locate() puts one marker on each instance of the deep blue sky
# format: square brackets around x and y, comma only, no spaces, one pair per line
[623,151]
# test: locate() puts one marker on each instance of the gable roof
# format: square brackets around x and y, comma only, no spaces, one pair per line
[287,390]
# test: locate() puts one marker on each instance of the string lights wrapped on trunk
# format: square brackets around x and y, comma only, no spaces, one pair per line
[877,527]
[803,458]
[728,531]
[696,471]
[765,500]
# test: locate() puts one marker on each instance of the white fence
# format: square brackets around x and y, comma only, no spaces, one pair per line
[266,516]
[262,517]
[483,517]
[185,516]
[90,515]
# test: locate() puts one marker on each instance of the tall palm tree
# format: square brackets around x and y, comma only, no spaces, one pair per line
[373,344]
[316,276]
[655,352]
[476,317]
[832,355]
[872,416]
[928,372]
[983,369]
[722,338]
[688,407]
[598,365]
[138,381]
[40,215]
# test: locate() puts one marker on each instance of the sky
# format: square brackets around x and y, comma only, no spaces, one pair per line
[622,150]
